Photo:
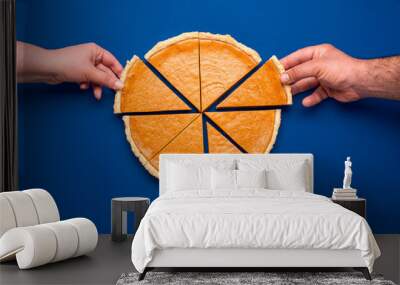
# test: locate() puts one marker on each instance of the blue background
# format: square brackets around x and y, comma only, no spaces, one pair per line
[75,147]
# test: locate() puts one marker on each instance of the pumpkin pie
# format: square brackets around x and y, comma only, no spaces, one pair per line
[261,89]
[217,143]
[177,59]
[143,91]
[254,131]
[202,67]
[223,62]
[148,134]
[190,140]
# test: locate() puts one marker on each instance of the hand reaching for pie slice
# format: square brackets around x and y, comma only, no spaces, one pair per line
[85,64]
[337,75]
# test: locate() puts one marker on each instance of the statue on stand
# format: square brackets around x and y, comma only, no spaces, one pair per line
[347,192]
[348,173]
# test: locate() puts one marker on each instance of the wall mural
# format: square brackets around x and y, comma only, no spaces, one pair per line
[200,93]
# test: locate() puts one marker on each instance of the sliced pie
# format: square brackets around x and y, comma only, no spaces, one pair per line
[148,134]
[143,91]
[217,143]
[190,140]
[261,89]
[254,131]
[177,59]
[202,67]
[223,62]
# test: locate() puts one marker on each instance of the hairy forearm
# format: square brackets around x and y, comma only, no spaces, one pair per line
[379,78]
[34,64]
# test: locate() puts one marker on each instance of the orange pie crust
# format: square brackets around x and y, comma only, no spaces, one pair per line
[263,88]
[143,91]
[177,59]
[254,131]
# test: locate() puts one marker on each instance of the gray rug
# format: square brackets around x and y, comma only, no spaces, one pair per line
[269,278]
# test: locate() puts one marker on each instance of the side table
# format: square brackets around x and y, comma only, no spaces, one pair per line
[119,208]
[358,205]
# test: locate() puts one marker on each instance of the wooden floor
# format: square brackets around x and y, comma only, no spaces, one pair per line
[110,260]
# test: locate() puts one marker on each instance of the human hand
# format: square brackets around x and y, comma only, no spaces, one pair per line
[333,72]
[86,64]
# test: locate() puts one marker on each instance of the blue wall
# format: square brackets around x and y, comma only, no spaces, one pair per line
[75,147]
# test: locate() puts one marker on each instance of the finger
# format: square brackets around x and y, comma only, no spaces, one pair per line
[298,57]
[99,77]
[109,60]
[304,85]
[97,91]
[84,85]
[104,68]
[315,98]
[307,69]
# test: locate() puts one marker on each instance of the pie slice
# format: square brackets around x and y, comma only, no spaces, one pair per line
[148,134]
[177,59]
[217,143]
[254,131]
[223,61]
[263,88]
[143,91]
[190,140]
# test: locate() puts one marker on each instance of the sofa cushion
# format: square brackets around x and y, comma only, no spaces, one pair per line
[45,205]
[40,244]
[7,220]
[23,208]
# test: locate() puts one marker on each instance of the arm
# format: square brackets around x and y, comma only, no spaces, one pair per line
[84,64]
[380,78]
[335,74]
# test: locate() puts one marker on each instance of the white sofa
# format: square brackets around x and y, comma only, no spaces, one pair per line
[31,230]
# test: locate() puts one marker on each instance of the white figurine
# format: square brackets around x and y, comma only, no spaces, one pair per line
[348,173]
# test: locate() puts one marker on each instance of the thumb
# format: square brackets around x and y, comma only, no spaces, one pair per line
[307,69]
[99,77]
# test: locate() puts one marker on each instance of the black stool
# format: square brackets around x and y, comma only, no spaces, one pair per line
[119,208]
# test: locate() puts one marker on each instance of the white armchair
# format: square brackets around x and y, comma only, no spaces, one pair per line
[31,230]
